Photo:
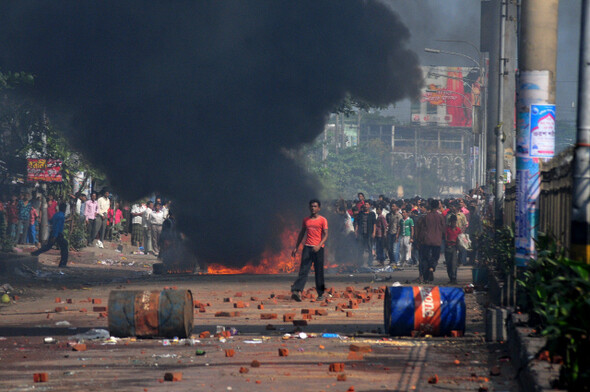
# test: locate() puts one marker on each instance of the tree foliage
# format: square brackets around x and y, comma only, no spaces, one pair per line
[27,132]
[364,168]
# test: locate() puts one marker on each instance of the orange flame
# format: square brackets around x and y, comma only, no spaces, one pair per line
[271,263]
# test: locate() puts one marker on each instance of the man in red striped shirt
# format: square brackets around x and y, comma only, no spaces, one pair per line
[316,228]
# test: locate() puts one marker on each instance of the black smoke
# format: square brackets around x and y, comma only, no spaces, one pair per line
[199,100]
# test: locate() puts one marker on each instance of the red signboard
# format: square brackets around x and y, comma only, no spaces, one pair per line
[448,98]
[44,170]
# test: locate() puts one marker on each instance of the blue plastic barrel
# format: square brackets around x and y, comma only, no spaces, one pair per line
[431,310]
[148,314]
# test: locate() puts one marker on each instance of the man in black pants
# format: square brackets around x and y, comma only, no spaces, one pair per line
[316,228]
[57,228]
[364,229]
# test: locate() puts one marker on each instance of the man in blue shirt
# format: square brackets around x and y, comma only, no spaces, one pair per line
[57,227]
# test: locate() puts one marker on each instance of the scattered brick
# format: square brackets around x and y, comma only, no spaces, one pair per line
[40,377]
[96,301]
[99,309]
[283,352]
[229,352]
[57,301]
[350,389]
[69,301]
[227,314]
[102,315]
[261,306]
[433,379]
[300,323]
[240,305]
[336,367]
[457,362]
[349,314]
[268,316]
[353,304]
[544,356]
[341,377]
[239,294]
[349,289]
[244,370]
[175,376]
[254,299]
[307,316]
[79,347]
[202,310]
[456,334]
[321,312]
[255,364]
[361,348]
[227,300]
[355,356]
[59,309]
[205,335]
[83,310]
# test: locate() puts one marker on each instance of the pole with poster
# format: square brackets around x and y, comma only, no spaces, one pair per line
[535,138]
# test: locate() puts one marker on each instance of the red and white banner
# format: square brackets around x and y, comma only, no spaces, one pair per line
[44,170]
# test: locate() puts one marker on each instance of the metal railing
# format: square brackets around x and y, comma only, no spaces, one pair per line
[555,200]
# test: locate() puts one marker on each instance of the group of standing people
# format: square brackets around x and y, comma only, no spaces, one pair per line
[402,231]
[148,218]
[22,214]
[414,231]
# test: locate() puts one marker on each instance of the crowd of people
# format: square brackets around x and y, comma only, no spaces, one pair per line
[417,231]
[101,216]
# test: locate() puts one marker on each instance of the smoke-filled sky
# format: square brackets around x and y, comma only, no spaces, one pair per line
[199,99]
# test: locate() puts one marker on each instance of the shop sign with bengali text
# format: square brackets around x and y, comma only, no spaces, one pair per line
[44,170]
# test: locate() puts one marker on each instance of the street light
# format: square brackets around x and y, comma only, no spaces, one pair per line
[439,51]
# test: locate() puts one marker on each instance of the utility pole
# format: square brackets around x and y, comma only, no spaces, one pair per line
[536,116]
[498,39]
[580,237]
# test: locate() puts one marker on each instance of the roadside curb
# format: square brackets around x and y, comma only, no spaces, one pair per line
[533,375]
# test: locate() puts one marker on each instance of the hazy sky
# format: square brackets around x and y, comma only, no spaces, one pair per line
[429,20]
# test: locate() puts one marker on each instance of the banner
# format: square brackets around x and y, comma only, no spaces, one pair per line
[44,170]
[448,98]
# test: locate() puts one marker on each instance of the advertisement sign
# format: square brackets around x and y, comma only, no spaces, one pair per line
[542,135]
[44,170]
[448,98]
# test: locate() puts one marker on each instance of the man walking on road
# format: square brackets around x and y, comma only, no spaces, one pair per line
[57,228]
[316,228]
[431,231]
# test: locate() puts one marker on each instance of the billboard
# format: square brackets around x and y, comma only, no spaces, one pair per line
[44,170]
[448,96]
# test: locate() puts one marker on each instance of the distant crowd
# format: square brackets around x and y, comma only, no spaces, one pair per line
[102,217]
[412,231]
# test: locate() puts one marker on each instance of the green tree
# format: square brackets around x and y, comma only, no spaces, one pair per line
[26,131]
[365,168]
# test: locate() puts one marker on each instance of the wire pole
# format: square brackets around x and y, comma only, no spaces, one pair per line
[580,233]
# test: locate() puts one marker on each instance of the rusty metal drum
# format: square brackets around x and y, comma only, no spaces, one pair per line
[150,314]
[430,310]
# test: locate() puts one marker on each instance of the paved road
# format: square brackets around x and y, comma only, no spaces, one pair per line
[393,364]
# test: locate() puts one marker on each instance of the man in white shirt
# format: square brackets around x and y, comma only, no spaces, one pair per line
[104,203]
[156,219]
[137,211]
[147,238]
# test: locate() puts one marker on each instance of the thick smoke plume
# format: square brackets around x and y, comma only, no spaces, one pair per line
[200,99]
